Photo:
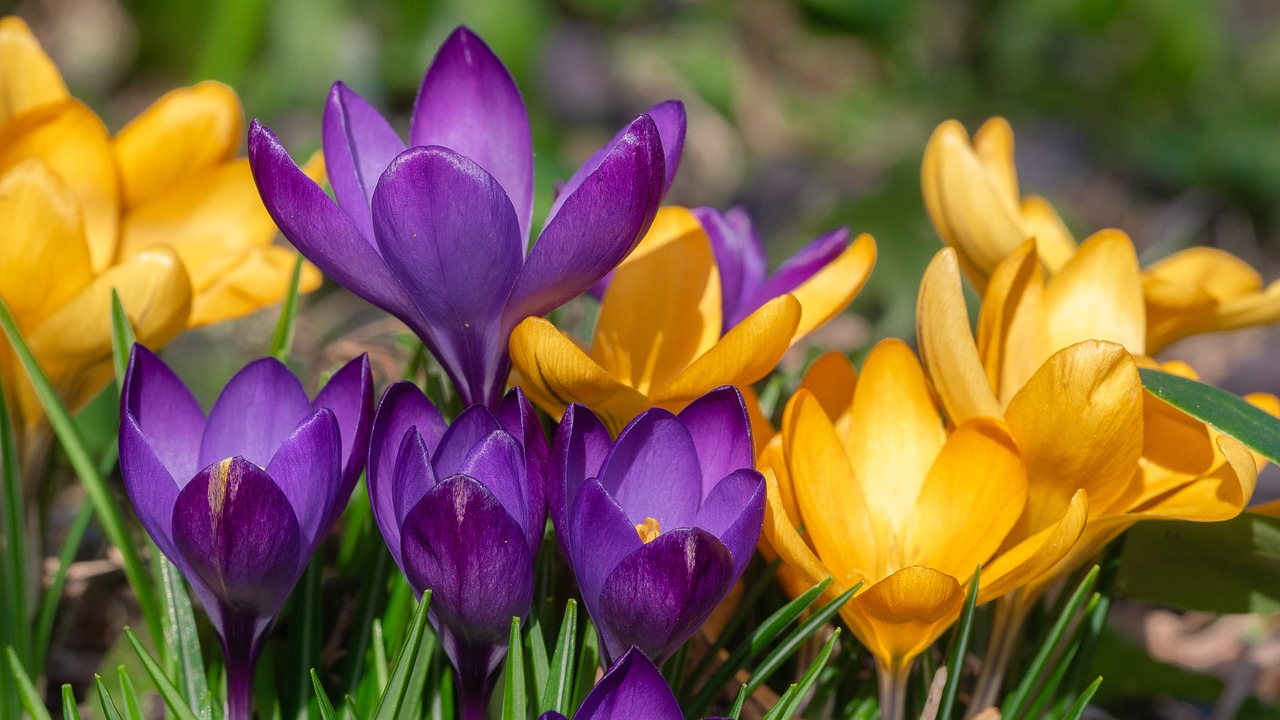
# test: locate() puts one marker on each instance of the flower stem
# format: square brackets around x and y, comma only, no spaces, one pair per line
[240,652]
[1011,613]
[893,688]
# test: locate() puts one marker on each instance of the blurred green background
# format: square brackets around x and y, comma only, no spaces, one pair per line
[1160,117]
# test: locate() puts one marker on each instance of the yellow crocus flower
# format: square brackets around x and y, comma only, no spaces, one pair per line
[1055,359]
[867,483]
[163,212]
[971,193]
[658,340]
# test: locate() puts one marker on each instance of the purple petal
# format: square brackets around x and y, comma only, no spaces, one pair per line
[469,428]
[410,480]
[658,596]
[151,488]
[632,688]
[358,145]
[740,258]
[798,268]
[349,394]
[470,104]
[256,411]
[497,462]
[166,413]
[552,715]
[238,533]
[448,232]
[721,432]
[669,116]
[734,513]
[517,416]
[460,543]
[308,470]
[578,450]
[322,231]
[652,471]
[596,224]
[600,536]
[403,406]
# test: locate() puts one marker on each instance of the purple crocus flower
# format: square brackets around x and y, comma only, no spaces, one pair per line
[240,501]
[658,525]
[462,510]
[436,235]
[744,281]
[632,689]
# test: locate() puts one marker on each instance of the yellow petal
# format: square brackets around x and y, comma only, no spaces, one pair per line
[831,379]
[1013,330]
[1054,242]
[833,509]
[993,143]
[74,344]
[972,497]
[204,217]
[1078,422]
[1218,495]
[984,221]
[28,77]
[258,277]
[44,260]
[186,131]
[780,531]
[1098,295]
[555,372]
[745,354]
[1030,558]
[662,308]
[830,290]
[899,617]
[761,429]
[895,432]
[1218,273]
[74,143]
[947,347]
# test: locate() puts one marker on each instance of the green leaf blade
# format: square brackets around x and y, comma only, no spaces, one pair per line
[1231,415]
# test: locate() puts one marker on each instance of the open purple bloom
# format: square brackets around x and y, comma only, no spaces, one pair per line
[633,689]
[744,281]
[658,525]
[239,501]
[436,234]
[462,510]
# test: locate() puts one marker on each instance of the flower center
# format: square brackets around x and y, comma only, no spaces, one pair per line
[648,530]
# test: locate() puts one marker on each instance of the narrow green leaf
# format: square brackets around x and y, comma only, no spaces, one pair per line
[797,638]
[789,704]
[181,634]
[132,707]
[380,665]
[960,646]
[1015,702]
[1078,707]
[535,650]
[389,705]
[172,695]
[372,597]
[322,698]
[349,709]
[282,336]
[95,487]
[675,669]
[751,646]
[122,339]
[763,582]
[70,710]
[738,702]
[14,562]
[1228,413]
[417,684]
[52,596]
[515,695]
[588,662]
[560,674]
[31,699]
[304,632]
[104,698]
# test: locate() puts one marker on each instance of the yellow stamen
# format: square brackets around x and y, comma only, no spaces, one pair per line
[648,530]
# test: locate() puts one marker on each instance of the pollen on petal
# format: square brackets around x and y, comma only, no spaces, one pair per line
[648,530]
[218,488]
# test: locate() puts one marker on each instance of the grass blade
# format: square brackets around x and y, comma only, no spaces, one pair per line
[798,638]
[70,711]
[14,561]
[515,695]
[95,487]
[789,704]
[132,707]
[738,703]
[181,634]
[535,649]
[304,634]
[762,583]
[380,665]
[1078,707]
[588,663]
[322,698]
[104,698]
[960,646]
[393,697]
[560,675]
[122,339]
[282,336]
[31,699]
[1014,704]
[172,696]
